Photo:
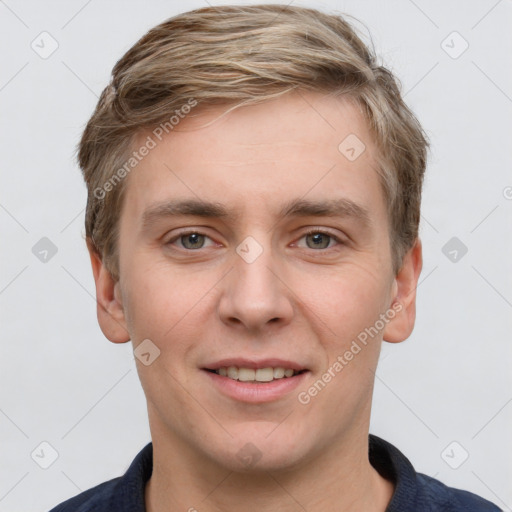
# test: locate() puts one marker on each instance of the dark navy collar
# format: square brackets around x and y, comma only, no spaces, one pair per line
[413,491]
[384,457]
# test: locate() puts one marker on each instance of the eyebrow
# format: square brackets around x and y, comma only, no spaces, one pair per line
[341,207]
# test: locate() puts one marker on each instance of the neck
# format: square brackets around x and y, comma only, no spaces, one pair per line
[340,478]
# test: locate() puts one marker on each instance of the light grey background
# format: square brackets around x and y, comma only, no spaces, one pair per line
[63,383]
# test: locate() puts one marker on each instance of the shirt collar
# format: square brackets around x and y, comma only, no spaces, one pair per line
[384,457]
[393,465]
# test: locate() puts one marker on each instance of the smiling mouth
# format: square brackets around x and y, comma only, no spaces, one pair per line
[259,375]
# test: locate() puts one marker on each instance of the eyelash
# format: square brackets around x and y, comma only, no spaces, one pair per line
[312,231]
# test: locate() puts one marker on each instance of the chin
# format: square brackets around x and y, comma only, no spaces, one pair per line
[251,460]
[260,452]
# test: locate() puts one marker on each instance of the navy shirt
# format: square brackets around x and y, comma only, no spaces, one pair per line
[414,492]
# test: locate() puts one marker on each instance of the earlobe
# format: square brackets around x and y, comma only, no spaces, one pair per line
[111,317]
[403,304]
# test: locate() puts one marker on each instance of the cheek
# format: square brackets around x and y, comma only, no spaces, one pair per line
[157,302]
[171,308]
[346,300]
[164,308]
[350,306]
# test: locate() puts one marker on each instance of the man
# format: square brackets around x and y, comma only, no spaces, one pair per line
[254,184]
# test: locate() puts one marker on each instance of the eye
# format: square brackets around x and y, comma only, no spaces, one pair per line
[189,240]
[319,239]
[315,239]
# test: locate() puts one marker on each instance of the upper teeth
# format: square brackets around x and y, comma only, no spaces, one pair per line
[259,375]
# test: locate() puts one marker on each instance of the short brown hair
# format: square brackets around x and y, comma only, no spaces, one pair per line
[241,55]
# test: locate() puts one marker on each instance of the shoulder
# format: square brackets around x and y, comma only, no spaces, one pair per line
[416,491]
[438,496]
[119,494]
[96,499]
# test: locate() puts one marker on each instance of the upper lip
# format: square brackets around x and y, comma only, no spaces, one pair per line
[241,362]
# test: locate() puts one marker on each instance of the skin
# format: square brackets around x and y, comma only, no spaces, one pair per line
[295,301]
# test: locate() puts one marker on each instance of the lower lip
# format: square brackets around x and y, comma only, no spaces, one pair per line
[260,392]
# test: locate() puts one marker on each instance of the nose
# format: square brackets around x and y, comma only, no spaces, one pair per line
[254,295]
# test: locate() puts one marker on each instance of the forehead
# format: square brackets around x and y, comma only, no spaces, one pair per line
[257,159]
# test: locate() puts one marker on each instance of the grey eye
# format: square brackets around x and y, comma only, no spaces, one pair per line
[319,240]
[196,240]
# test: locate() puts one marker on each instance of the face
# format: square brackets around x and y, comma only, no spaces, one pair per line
[283,268]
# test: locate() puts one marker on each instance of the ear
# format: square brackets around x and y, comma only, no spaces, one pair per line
[110,311]
[400,327]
